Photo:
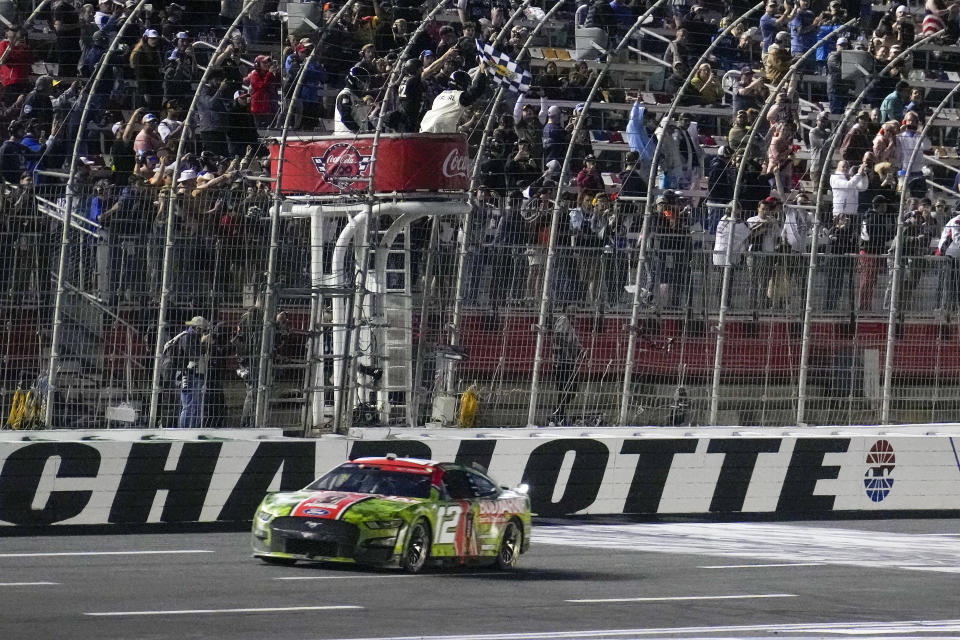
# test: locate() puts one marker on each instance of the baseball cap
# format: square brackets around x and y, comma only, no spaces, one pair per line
[261,58]
[746,69]
[148,118]
[426,52]
[842,41]
[903,9]
[86,161]
[241,93]
[554,110]
[116,127]
[197,321]
[183,35]
[187,174]
[151,33]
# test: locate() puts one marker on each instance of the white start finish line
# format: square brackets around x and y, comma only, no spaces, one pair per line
[789,544]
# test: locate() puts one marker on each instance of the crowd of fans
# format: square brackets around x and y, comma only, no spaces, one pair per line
[140,70]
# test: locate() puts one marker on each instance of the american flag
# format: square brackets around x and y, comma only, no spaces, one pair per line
[504,69]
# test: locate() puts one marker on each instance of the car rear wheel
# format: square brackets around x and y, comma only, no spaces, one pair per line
[510,543]
[285,562]
[417,551]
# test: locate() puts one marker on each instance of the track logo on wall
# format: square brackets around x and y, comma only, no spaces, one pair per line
[342,165]
[878,479]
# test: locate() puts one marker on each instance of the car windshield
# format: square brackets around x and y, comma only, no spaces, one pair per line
[368,479]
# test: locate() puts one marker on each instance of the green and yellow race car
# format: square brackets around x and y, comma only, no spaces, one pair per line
[394,511]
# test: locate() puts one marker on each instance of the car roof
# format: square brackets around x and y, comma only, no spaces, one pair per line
[399,464]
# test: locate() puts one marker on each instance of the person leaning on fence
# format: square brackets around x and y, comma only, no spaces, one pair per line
[187,353]
[567,353]
[919,229]
[949,248]
[878,228]
[765,229]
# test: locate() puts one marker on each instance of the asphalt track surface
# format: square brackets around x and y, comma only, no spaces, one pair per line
[864,579]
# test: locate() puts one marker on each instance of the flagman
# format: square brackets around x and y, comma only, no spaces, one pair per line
[444,116]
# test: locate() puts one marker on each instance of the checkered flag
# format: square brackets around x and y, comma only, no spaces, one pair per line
[504,69]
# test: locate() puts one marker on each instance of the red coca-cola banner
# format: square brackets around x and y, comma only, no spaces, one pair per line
[405,163]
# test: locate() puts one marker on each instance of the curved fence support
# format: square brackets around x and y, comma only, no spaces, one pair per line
[896,284]
[818,218]
[270,294]
[168,236]
[347,384]
[56,336]
[561,187]
[737,185]
[626,394]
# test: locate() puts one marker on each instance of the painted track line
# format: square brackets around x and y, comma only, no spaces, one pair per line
[27,584]
[61,554]
[671,598]
[761,566]
[898,628]
[422,577]
[186,612]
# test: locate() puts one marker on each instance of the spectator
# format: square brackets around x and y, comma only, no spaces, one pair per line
[749,92]
[13,155]
[146,60]
[730,229]
[859,139]
[66,26]
[264,82]
[795,238]
[885,142]
[909,139]
[311,85]
[721,177]
[892,107]
[589,180]
[691,153]
[410,94]
[448,107]
[38,104]
[843,237]
[679,50]
[121,149]
[242,133]
[838,88]
[770,23]
[673,250]
[567,351]
[846,188]
[555,136]
[188,353]
[803,28]
[707,86]
[919,230]
[765,231]
[180,70]
[15,70]
[876,231]
[529,125]
[148,140]
[818,141]
[948,247]
[780,156]
[550,83]
[776,64]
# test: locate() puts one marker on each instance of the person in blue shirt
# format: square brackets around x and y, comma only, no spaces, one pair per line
[555,137]
[803,29]
[313,81]
[771,22]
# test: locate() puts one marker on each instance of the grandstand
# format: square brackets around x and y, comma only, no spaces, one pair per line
[325,215]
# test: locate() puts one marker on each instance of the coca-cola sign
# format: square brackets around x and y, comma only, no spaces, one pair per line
[422,163]
[455,164]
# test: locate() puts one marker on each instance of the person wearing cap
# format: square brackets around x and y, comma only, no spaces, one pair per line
[213,120]
[243,128]
[448,107]
[771,22]
[188,356]
[38,104]
[673,250]
[555,136]
[148,140]
[818,139]
[776,63]
[803,27]
[263,81]
[312,84]
[830,21]
[838,88]
[146,60]
[181,69]
[749,90]
[173,21]
[877,230]
[528,123]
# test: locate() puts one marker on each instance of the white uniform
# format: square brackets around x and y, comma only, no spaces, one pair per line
[444,115]
[359,111]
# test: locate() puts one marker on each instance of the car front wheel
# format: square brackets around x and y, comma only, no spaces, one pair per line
[509,546]
[417,551]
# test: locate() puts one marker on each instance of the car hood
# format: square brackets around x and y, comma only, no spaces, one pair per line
[332,505]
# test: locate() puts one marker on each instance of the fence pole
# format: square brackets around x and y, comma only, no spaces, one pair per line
[168,235]
[634,329]
[896,285]
[818,217]
[561,188]
[56,335]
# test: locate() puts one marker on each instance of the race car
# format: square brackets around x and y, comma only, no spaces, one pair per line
[391,511]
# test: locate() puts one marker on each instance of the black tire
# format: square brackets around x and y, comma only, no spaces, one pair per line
[510,543]
[284,562]
[417,550]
